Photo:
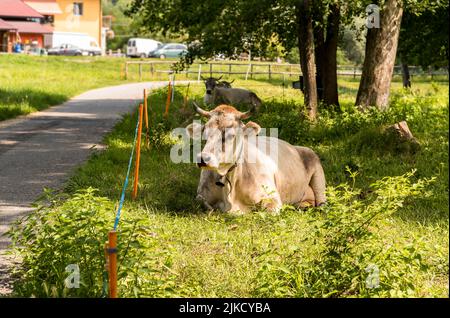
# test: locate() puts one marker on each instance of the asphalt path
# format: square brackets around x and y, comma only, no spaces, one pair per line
[41,150]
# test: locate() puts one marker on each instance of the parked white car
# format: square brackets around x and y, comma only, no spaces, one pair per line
[138,47]
[87,44]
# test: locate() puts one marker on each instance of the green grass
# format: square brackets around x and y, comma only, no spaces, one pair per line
[170,247]
[31,83]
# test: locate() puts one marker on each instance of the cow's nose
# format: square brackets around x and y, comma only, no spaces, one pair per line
[204,159]
[208,91]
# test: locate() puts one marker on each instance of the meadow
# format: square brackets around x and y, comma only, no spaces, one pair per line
[33,83]
[383,233]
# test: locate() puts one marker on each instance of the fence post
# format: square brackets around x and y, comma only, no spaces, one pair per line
[146,118]
[248,70]
[229,70]
[251,70]
[112,253]
[169,96]
[138,154]
[140,71]
[186,96]
[270,72]
[126,70]
[210,70]
[173,87]
[151,69]
[199,72]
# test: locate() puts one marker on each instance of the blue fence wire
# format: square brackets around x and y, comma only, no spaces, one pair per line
[122,199]
[125,184]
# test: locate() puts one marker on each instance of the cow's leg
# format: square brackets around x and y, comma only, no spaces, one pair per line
[205,203]
[308,199]
[317,184]
[273,203]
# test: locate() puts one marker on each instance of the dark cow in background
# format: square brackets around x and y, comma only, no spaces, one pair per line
[221,92]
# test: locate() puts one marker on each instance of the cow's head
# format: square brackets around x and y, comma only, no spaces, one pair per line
[225,134]
[210,84]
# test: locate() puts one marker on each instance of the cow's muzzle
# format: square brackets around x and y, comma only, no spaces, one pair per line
[208,91]
[203,160]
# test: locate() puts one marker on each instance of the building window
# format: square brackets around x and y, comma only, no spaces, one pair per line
[49,19]
[77,8]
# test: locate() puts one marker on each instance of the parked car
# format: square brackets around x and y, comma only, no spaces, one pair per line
[86,43]
[72,50]
[169,50]
[138,47]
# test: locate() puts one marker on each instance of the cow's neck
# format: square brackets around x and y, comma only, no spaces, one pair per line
[221,181]
[227,181]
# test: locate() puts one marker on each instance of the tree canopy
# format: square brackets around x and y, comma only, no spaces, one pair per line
[424,36]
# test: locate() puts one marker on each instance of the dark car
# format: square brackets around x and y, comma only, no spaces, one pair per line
[73,50]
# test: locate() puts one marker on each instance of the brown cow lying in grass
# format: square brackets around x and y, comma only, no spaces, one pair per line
[237,173]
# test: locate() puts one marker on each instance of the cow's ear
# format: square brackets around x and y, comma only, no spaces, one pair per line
[194,130]
[251,128]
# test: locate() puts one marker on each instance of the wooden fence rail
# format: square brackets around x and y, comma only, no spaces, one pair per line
[251,69]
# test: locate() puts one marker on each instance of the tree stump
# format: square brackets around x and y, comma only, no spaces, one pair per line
[405,140]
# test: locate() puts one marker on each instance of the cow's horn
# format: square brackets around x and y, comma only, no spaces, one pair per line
[248,113]
[200,111]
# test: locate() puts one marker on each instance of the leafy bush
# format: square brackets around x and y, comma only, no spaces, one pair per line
[348,248]
[74,231]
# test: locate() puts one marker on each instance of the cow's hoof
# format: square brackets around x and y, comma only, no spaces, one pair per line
[305,205]
[322,204]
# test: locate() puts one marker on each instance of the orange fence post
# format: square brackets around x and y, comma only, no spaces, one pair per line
[146,118]
[169,95]
[138,154]
[186,96]
[112,252]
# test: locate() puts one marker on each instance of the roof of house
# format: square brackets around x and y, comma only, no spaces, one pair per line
[48,7]
[5,26]
[17,8]
[30,27]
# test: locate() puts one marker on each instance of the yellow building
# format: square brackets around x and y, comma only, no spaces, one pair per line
[74,16]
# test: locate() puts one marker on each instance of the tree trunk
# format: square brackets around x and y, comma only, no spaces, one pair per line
[405,76]
[307,61]
[381,48]
[325,54]
[320,58]
[329,75]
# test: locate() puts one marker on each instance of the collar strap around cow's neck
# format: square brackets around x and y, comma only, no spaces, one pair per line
[221,180]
